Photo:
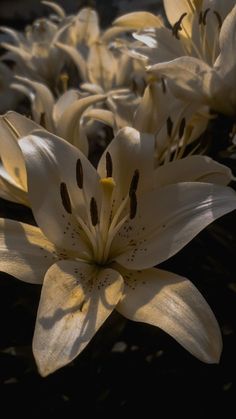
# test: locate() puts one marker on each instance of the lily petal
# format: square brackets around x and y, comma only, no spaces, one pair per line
[45,156]
[193,168]
[64,101]
[10,190]
[69,126]
[55,7]
[76,299]
[167,219]
[42,103]
[174,304]
[87,26]
[129,142]
[101,115]
[225,64]
[138,20]
[25,251]
[76,57]
[190,78]
[102,66]
[12,127]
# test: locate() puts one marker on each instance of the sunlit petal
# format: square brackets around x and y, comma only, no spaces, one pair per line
[172,303]
[76,299]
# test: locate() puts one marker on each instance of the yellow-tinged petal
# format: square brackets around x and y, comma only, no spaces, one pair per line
[10,190]
[102,66]
[138,20]
[56,8]
[12,127]
[76,56]
[76,299]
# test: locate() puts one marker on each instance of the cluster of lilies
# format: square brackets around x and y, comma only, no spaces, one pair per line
[109,207]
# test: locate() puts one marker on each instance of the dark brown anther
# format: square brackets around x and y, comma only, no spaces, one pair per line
[133,205]
[109,165]
[134,182]
[169,126]
[65,198]
[79,174]
[182,127]
[94,211]
[218,17]
[205,16]
[42,120]
[177,26]
[163,85]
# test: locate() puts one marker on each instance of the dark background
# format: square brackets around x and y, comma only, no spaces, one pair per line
[128,367]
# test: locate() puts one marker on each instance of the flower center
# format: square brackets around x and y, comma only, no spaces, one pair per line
[206,27]
[102,223]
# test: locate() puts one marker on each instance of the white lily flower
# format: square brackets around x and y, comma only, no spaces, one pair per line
[195,27]
[34,51]
[100,234]
[63,117]
[101,71]
[196,54]
[173,123]
[193,79]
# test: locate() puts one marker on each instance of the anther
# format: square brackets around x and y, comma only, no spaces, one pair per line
[64,78]
[182,127]
[163,85]
[205,16]
[94,211]
[133,205]
[218,17]
[79,174]
[65,198]
[109,165]
[177,26]
[169,126]
[134,183]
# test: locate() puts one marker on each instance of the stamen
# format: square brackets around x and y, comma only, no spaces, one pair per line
[64,78]
[65,198]
[169,126]
[205,16]
[134,183]
[109,165]
[11,127]
[94,211]
[133,205]
[79,174]
[218,17]
[177,26]
[182,127]
[163,85]
[42,120]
